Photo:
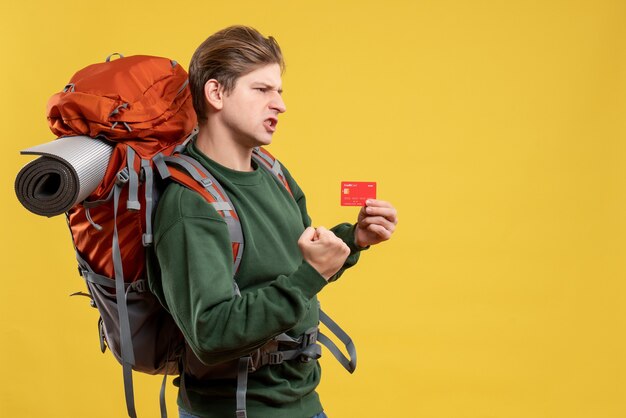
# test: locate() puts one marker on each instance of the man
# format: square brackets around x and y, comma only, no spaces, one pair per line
[235,80]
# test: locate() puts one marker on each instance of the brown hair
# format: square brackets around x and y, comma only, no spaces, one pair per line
[227,55]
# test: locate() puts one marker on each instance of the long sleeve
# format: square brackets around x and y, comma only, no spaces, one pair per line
[194,254]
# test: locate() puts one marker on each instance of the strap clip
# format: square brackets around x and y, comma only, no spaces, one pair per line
[276,357]
[206,182]
[139,286]
[122,177]
[133,205]
[146,240]
[309,337]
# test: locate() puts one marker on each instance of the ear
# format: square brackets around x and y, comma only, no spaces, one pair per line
[214,94]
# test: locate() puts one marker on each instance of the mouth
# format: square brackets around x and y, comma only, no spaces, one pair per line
[270,124]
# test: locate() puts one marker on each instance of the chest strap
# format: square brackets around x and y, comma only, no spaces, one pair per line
[304,348]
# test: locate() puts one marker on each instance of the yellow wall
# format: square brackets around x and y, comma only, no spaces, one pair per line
[496,127]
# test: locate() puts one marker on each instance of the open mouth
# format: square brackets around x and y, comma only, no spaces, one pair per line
[270,124]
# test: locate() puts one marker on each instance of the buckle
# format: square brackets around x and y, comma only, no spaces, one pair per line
[276,357]
[206,182]
[309,337]
[139,286]
[312,352]
[122,177]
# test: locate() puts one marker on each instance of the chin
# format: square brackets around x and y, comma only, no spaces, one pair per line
[264,141]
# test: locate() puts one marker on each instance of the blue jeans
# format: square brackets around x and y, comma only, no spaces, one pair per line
[184,414]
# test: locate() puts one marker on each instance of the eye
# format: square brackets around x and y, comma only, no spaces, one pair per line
[261,89]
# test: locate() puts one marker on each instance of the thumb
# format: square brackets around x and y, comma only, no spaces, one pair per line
[308,234]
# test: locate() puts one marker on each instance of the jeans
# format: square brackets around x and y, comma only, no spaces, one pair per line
[184,414]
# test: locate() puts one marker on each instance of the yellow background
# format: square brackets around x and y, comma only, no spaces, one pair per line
[496,128]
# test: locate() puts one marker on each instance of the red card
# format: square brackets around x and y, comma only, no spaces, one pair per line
[355,193]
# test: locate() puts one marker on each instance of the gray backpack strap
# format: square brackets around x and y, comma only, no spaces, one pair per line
[284,347]
[162,403]
[272,165]
[88,216]
[162,397]
[181,147]
[223,205]
[349,365]
[268,163]
[93,204]
[127,354]
[242,386]
[95,278]
[208,181]
[133,181]
[146,168]
[159,163]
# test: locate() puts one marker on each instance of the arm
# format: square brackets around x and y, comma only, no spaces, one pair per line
[195,257]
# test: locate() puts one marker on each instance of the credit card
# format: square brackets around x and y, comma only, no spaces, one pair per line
[355,193]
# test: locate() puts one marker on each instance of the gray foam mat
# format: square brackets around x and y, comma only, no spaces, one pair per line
[68,170]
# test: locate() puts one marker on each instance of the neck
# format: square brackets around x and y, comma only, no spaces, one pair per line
[222,148]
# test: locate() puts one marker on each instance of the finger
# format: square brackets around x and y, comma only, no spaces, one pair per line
[378,220]
[383,233]
[308,234]
[316,235]
[362,213]
[390,213]
[325,234]
[378,203]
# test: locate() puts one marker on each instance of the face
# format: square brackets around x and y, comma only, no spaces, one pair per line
[250,111]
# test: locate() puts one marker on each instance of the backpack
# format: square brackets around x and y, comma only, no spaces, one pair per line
[142,106]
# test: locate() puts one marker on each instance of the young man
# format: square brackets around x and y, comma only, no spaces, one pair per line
[235,79]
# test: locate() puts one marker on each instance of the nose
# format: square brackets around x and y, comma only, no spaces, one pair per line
[278,104]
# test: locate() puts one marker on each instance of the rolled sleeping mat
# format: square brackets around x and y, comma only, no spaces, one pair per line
[68,170]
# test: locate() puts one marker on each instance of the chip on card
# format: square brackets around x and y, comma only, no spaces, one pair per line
[355,193]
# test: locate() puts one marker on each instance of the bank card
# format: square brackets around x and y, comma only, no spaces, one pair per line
[355,193]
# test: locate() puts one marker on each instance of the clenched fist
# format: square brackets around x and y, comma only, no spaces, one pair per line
[323,250]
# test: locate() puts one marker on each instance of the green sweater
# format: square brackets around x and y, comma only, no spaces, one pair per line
[191,272]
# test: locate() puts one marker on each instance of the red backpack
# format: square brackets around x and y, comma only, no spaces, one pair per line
[142,106]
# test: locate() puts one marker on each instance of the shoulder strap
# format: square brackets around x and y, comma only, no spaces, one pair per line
[271,164]
[189,173]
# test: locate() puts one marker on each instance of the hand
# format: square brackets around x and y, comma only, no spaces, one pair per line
[323,250]
[375,224]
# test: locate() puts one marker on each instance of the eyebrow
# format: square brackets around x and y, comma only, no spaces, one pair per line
[266,85]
